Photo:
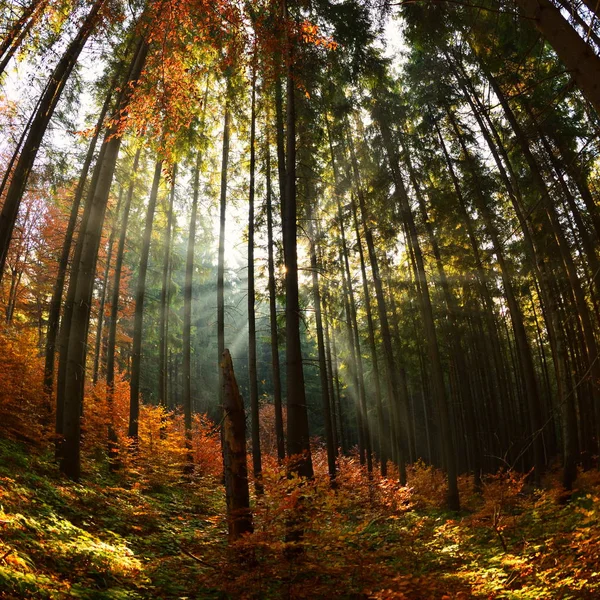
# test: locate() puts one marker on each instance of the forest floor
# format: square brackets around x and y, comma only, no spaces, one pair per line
[112,537]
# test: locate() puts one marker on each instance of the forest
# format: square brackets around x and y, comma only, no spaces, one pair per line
[299,299]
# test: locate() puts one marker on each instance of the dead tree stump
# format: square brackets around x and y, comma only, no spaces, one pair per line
[239,516]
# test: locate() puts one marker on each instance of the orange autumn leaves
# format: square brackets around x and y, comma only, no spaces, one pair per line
[191,40]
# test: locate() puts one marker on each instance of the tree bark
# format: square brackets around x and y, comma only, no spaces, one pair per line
[428,322]
[63,263]
[383,432]
[298,439]
[239,515]
[252,373]
[114,308]
[454,331]
[275,364]
[326,400]
[524,349]
[163,341]
[105,291]
[187,311]
[221,251]
[88,241]
[140,294]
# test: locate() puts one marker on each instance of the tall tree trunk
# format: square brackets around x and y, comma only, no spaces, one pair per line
[566,264]
[163,341]
[138,321]
[187,310]
[252,373]
[114,307]
[279,434]
[330,378]
[321,351]
[501,389]
[439,386]
[340,412]
[454,331]
[221,252]
[89,240]
[298,439]
[45,110]
[280,142]
[105,290]
[65,326]
[353,365]
[362,416]
[532,249]
[63,263]
[364,443]
[580,59]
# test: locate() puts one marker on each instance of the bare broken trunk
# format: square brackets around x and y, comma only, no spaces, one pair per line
[237,492]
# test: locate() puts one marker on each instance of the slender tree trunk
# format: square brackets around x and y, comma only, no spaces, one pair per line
[65,327]
[364,439]
[45,110]
[114,308]
[105,291]
[353,365]
[395,388]
[298,439]
[252,373]
[540,268]
[567,264]
[383,432]
[321,351]
[454,333]
[280,141]
[279,433]
[163,342]
[524,350]
[187,311]
[501,389]
[330,378]
[140,295]
[588,243]
[362,412]
[221,252]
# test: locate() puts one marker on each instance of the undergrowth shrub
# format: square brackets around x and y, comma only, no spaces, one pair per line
[428,485]
[340,543]
[502,502]
[26,412]
[159,456]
